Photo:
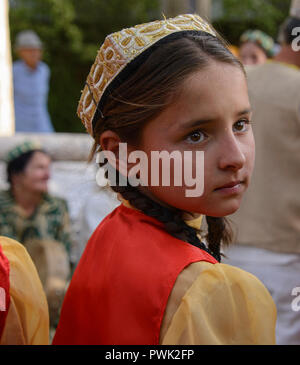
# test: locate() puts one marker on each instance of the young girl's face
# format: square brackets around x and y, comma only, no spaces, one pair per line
[211,114]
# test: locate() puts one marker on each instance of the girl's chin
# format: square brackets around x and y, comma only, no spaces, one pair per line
[210,207]
[224,211]
[217,208]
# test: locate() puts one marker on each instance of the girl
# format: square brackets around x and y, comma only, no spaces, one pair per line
[146,277]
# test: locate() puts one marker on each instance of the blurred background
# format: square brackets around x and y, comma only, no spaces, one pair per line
[73,30]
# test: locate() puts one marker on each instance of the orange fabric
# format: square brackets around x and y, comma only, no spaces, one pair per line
[4,289]
[122,283]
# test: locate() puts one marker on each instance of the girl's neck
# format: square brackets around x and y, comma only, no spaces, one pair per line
[152,197]
[27,200]
[185,214]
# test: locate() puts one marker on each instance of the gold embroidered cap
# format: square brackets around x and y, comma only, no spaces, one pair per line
[120,48]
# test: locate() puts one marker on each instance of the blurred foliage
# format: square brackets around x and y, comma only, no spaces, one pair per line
[73,30]
[238,16]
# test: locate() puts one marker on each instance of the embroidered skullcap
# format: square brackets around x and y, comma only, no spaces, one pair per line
[260,38]
[20,149]
[122,49]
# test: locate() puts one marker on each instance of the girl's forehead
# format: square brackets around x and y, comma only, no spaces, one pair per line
[218,83]
[215,70]
[217,98]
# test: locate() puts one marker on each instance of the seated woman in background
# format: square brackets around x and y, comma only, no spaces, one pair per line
[36,219]
[27,211]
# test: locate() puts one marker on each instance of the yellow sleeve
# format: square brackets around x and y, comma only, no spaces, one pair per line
[218,304]
[27,322]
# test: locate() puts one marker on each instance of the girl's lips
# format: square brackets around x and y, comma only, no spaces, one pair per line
[231,188]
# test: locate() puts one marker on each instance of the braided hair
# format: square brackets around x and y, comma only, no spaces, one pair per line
[172,219]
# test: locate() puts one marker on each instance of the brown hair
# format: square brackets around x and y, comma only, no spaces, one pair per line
[141,97]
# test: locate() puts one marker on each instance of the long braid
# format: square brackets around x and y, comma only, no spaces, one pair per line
[172,219]
[219,232]
[173,222]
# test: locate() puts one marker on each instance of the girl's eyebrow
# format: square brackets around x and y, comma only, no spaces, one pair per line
[198,122]
[246,111]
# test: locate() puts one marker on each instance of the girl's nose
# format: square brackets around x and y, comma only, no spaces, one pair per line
[231,154]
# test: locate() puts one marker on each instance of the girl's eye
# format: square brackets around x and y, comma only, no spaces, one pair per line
[196,137]
[241,125]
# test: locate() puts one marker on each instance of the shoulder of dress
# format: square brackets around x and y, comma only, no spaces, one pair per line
[12,248]
[19,260]
[226,275]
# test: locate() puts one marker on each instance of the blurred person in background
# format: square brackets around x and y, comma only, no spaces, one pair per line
[268,222]
[31,85]
[38,220]
[256,47]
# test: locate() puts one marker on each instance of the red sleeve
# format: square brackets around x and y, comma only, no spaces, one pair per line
[4,289]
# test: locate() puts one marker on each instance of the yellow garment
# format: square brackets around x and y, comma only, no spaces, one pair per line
[193,220]
[218,304]
[27,322]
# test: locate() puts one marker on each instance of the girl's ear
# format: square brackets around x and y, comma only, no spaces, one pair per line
[110,146]
[109,141]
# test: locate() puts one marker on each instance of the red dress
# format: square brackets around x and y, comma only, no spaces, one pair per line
[120,288]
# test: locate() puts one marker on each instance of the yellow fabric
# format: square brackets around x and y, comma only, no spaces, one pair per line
[218,304]
[27,322]
[193,220]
